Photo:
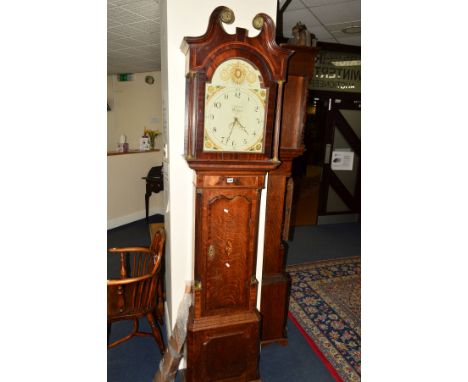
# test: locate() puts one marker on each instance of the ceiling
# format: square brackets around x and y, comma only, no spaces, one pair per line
[133,37]
[326,19]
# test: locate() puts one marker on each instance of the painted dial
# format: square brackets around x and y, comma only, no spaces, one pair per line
[235,114]
[234,120]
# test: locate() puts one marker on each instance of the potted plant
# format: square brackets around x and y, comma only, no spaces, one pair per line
[151,134]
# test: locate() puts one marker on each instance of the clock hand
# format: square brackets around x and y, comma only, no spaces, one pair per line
[240,125]
[231,125]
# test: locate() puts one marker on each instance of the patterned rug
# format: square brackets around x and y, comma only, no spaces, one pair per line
[325,305]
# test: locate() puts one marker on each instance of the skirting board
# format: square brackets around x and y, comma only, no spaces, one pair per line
[122,220]
[339,218]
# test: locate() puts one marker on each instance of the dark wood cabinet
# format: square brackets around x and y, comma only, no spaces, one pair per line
[275,280]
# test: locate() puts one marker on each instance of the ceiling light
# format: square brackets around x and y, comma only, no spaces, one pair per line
[353,29]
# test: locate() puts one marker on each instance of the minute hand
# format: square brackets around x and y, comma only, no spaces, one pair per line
[236,120]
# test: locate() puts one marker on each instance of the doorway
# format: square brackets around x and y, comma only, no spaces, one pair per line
[327,191]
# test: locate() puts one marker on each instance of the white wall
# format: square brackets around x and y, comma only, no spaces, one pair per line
[181,18]
[126,190]
[134,106]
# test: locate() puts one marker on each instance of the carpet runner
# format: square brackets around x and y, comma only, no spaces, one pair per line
[325,305]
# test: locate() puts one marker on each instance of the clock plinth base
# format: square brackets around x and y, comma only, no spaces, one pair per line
[223,348]
[274,308]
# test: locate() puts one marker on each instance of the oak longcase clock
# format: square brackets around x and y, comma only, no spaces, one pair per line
[233,111]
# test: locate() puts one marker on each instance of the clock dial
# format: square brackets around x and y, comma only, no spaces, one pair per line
[234,120]
[235,109]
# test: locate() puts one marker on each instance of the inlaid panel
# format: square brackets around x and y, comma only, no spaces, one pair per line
[226,252]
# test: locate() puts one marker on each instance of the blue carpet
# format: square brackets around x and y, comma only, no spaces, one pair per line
[293,363]
[324,242]
[134,360]
[137,360]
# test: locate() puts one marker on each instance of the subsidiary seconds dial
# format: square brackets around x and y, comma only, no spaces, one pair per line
[235,120]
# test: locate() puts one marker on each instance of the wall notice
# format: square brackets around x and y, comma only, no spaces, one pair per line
[342,160]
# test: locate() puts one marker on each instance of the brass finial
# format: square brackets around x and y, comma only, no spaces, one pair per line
[227,16]
[258,22]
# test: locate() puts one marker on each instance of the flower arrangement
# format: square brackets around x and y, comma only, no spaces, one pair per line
[151,134]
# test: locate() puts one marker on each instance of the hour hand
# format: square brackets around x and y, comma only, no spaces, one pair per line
[231,127]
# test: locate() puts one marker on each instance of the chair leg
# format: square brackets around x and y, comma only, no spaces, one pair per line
[109,326]
[127,337]
[158,316]
[135,326]
[156,332]
[159,309]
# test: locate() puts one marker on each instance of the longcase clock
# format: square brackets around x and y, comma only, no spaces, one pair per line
[275,279]
[233,112]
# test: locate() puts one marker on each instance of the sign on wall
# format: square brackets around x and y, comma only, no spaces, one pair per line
[337,71]
[342,160]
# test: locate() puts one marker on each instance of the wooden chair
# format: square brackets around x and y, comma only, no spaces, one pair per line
[159,311]
[135,294]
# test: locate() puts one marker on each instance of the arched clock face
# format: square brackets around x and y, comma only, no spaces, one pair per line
[235,109]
